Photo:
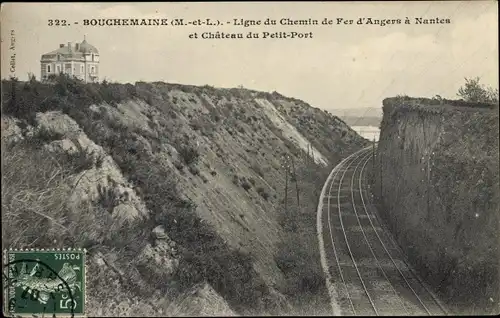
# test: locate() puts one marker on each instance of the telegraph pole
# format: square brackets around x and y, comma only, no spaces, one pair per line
[286,187]
[380,172]
[284,164]
[373,159]
[296,183]
[428,182]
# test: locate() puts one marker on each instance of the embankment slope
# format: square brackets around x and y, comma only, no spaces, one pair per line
[171,188]
[437,181]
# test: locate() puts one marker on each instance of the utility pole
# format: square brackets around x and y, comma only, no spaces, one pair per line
[296,183]
[428,182]
[373,160]
[285,165]
[380,172]
[286,187]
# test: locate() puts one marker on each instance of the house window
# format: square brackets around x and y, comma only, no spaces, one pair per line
[58,69]
[81,69]
[92,69]
[48,68]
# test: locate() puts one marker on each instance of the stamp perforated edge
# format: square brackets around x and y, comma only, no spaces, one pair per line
[6,313]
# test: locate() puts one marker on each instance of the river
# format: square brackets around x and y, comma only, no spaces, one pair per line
[368,132]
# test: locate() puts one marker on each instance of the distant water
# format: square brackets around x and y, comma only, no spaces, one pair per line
[368,132]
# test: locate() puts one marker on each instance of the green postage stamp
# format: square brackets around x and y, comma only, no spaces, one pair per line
[49,283]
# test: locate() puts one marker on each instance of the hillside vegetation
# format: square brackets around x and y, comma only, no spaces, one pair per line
[176,191]
[437,180]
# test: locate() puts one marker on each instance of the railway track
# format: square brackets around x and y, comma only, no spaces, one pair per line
[366,270]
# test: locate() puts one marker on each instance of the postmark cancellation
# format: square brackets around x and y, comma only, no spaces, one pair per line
[44,282]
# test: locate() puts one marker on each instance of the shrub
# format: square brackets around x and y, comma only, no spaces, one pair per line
[473,91]
[100,160]
[178,165]
[194,170]
[236,180]
[46,136]
[80,160]
[252,181]
[256,167]
[203,178]
[107,198]
[189,154]
[262,192]
[311,282]
[246,185]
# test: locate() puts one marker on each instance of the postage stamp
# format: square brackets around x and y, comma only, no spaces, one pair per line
[42,282]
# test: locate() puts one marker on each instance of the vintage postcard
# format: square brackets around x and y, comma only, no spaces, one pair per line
[250,158]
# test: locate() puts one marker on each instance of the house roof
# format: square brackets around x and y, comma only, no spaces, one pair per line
[72,52]
[88,48]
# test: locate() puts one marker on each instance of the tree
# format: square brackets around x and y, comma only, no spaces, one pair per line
[473,91]
[492,94]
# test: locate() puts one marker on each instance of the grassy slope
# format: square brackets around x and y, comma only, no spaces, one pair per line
[228,270]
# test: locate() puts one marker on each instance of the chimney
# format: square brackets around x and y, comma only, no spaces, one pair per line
[61,45]
[69,46]
[77,46]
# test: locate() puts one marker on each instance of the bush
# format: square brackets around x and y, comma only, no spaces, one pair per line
[473,91]
[80,160]
[194,170]
[262,192]
[252,181]
[246,185]
[240,129]
[189,154]
[107,198]
[236,180]
[203,178]
[257,169]
[46,136]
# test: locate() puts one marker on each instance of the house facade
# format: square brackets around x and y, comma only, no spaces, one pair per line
[80,60]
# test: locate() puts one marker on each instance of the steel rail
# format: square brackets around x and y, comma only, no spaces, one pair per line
[363,232]
[345,235]
[390,256]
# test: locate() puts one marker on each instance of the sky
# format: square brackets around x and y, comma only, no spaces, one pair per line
[341,66]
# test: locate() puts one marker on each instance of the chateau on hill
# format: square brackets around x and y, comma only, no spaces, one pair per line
[80,60]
